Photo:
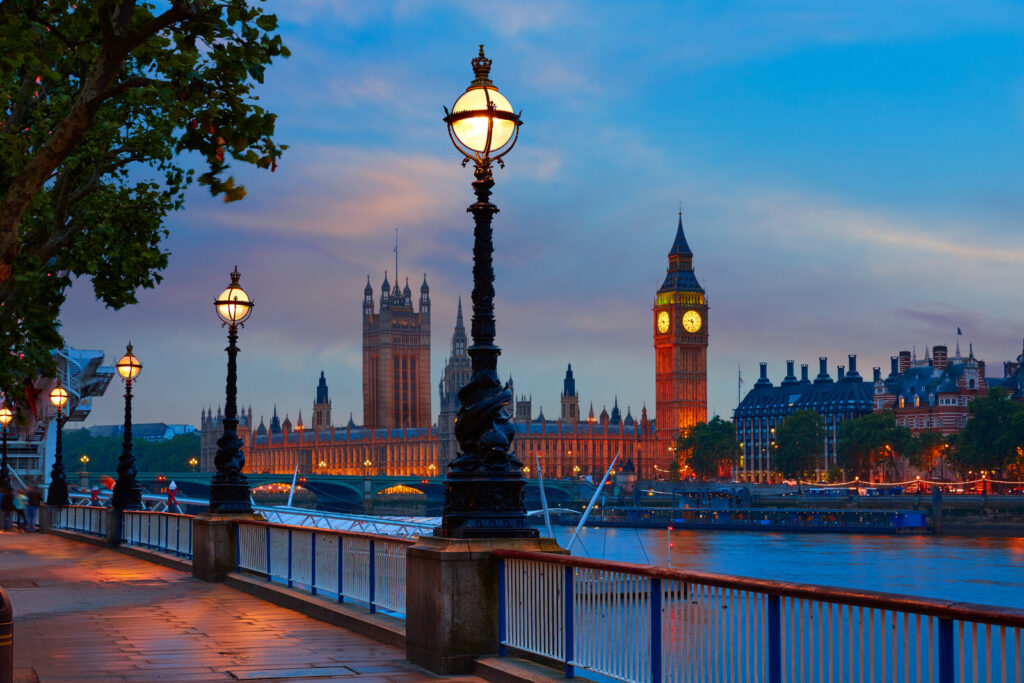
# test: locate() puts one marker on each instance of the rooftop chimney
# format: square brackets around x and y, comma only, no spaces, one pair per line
[853,375]
[878,373]
[823,377]
[940,358]
[763,381]
[1010,368]
[904,362]
[841,372]
[790,377]
[804,378]
[895,369]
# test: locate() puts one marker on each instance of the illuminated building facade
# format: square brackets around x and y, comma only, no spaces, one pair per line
[935,393]
[766,406]
[211,428]
[398,439]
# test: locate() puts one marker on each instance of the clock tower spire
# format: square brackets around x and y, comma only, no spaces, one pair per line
[680,344]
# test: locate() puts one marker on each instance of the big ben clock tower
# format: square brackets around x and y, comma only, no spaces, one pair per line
[680,344]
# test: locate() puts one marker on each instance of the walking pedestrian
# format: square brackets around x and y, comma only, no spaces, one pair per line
[35,498]
[20,503]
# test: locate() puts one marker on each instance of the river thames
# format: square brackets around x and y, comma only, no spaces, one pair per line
[980,570]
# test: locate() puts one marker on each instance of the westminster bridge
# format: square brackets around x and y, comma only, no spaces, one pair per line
[351,493]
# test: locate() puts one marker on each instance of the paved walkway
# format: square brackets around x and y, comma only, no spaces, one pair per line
[85,613]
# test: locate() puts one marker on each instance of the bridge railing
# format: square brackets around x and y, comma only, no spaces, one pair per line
[368,568]
[164,531]
[81,518]
[637,623]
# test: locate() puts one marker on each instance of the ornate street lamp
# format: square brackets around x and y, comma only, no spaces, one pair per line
[58,493]
[229,489]
[193,462]
[484,485]
[127,491]
[5,473]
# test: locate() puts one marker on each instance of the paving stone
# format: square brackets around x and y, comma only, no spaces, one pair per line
[85,613]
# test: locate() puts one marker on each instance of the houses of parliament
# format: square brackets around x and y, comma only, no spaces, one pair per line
[397,436]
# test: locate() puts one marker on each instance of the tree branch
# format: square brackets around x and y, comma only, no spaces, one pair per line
[178,11]
[133,82]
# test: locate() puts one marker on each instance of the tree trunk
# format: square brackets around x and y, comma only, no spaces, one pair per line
[62,142]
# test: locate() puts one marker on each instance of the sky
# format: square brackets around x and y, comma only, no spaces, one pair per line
[850,178]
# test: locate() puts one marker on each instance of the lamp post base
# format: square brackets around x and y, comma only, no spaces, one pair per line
[479,505]
[229,498]
[57,493]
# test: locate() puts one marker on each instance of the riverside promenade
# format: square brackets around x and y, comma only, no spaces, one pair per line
[86,613]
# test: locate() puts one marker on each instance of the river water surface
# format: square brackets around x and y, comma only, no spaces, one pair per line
[980,570]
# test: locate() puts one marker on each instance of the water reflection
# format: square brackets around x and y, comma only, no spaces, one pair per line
[981,570]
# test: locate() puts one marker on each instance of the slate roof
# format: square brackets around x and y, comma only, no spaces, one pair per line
[848,395]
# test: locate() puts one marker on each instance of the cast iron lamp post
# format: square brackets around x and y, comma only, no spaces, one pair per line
[483,495]
[229,489]
[193,462]
[127,491]
[5,473]
[58,492]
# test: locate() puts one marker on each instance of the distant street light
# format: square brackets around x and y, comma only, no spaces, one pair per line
[229,489]
[5,473]
[84,460]
[193,461]
[58,492]
[127,493]
[484,485]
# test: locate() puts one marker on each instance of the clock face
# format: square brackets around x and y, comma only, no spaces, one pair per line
[691,321]
[663,321]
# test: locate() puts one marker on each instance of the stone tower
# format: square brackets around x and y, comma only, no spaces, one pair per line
[680,344]
[396,358]
[457,372]
[570,401]
[321,407]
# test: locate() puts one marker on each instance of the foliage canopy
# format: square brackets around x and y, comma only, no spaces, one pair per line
[708,447]
[171,455]
[799,443]
[101,100]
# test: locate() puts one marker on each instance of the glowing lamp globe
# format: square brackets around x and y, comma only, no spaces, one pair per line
[233,304]
[129,366]
[59,397]
[6,416]
[482,123]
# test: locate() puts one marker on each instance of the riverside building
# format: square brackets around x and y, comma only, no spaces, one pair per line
[398,439]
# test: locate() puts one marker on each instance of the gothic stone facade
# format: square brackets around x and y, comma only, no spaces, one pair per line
[396,358]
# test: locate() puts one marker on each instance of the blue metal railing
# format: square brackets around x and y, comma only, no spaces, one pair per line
[348,565]
[650,624]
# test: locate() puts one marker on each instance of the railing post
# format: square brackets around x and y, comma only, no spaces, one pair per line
[269,577]
[373,579]
[289,558]
[341,569]
[570,655]
[502,634]
[947,659]
[312,564]
[655,588]
[774,639]
[238,547]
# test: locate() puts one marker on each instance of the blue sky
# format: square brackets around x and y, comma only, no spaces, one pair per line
[850,175]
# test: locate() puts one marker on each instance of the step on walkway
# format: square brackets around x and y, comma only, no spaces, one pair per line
[85,613]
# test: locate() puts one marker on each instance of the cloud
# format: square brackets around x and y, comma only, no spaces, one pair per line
[347,193]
